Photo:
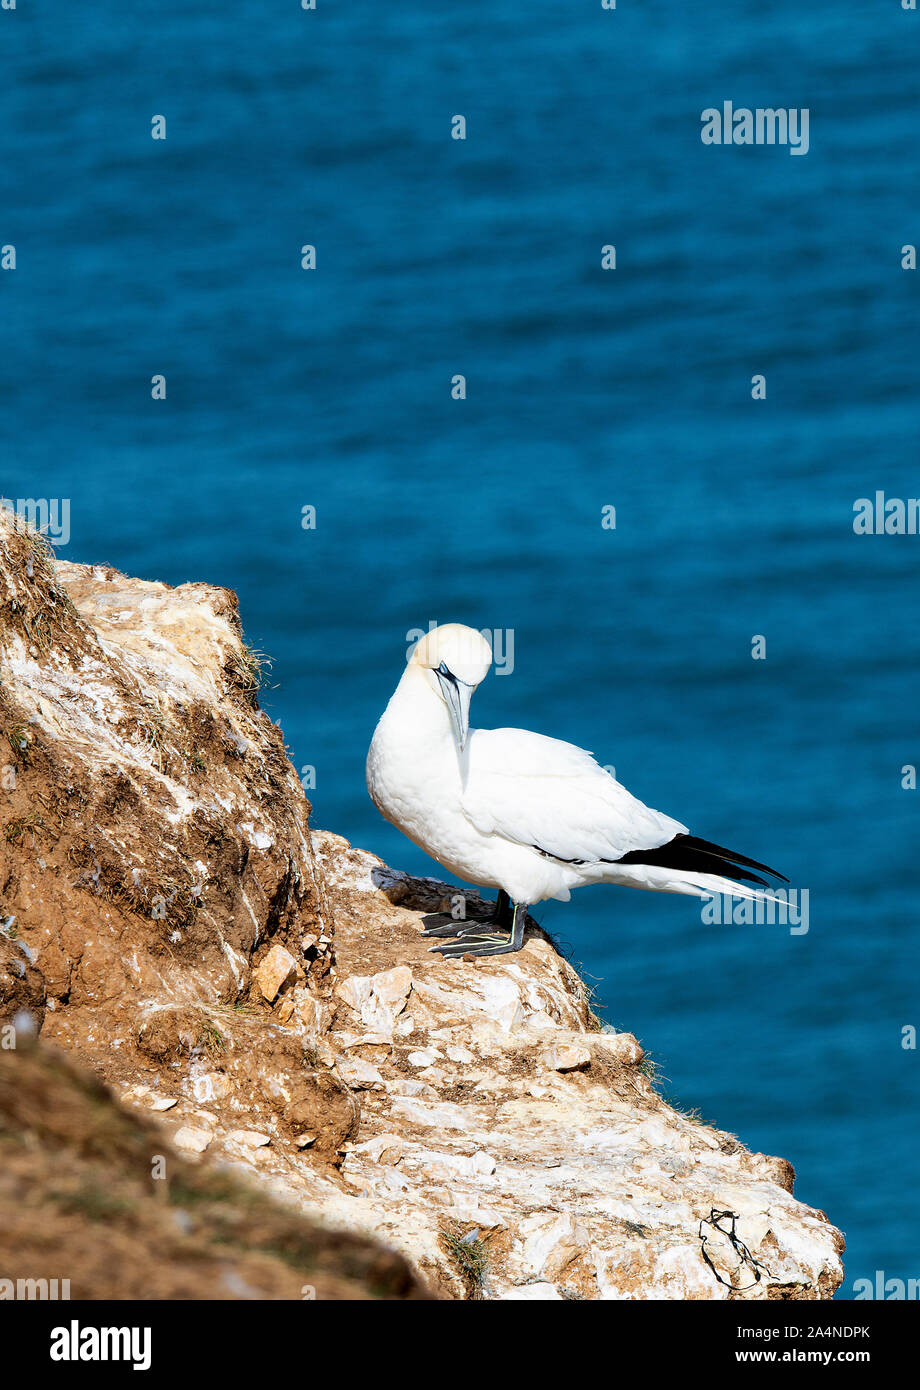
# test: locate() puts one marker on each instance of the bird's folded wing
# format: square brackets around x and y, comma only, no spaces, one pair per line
[553,796]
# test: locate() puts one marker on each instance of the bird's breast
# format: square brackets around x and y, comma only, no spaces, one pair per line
[414,781]
[410,770]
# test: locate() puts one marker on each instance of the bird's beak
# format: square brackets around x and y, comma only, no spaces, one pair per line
[457,695]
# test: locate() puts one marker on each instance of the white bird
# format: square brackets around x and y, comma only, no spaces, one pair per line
[513,810]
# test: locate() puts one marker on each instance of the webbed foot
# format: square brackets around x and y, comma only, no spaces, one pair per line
[439,924]
[475,943]
[447,926]
[485,943]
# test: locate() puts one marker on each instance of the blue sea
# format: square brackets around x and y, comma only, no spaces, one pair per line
[586,389]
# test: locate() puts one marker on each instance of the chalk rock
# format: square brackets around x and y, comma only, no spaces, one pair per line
[210,1086]
[566,1057]
[424,1058]
[621,1046]
[274,970]
[383,1148]
[160,1103]
[551,1244]
[249,1138]
[377,999]
[193,1141]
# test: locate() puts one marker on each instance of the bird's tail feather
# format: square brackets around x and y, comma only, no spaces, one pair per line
[709,885]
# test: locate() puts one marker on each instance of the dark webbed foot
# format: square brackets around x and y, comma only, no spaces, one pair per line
[477,944]
[439,924]
[484,943]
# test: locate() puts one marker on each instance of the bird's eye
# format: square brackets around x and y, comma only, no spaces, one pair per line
[442,669]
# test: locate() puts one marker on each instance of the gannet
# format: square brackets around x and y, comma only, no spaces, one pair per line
[530,816]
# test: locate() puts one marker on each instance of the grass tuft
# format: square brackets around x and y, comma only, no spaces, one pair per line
[210,1038]
[469,1252]
[15,829]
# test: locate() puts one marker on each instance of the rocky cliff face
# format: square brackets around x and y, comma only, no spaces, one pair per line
[262,992]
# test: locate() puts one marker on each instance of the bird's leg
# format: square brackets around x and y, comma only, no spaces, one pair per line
[501,917]
[475,943]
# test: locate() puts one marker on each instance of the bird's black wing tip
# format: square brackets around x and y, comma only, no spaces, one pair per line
[694,855]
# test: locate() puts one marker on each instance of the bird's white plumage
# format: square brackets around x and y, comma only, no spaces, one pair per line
[509,809]
[539,791]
